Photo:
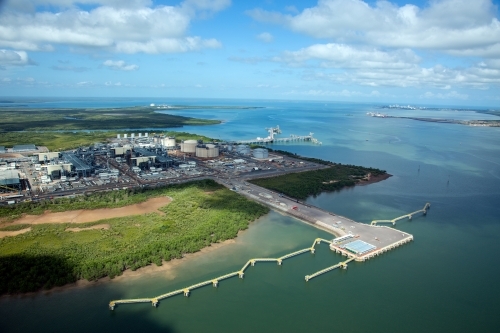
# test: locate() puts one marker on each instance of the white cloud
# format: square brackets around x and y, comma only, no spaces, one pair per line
[450,95]
[112,84]
[265,37]
[120,65]
[116,26]
[14,58]
[340,55]
[370,66]
[449,25]
[345,93]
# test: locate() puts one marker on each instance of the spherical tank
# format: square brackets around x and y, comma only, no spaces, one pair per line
[189,146]
[260,153]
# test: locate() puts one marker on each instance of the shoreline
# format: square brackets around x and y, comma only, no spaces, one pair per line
[375,179]
[167,267]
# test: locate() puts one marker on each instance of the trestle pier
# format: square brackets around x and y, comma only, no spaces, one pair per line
[409,216]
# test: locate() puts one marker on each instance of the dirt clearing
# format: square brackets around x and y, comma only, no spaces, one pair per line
[84,215]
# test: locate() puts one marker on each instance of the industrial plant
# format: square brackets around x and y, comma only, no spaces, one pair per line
[28,172]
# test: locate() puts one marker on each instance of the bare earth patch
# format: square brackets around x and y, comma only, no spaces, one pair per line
[13,233]
[94,227]
[83,215]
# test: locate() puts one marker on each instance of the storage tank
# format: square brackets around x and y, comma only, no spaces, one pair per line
[207,151]
[243,149]
[260,153]
[168,142]
[189,146]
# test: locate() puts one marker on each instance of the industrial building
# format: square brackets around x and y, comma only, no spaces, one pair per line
[144,159]
[23,148]
[9,180]
[119,151]
[81,168]
[56,171]
[207,151]
[46,157]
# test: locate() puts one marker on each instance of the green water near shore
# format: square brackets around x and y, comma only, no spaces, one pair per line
[375,296]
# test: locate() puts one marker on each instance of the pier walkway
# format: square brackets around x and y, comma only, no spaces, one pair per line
[378,239]
[215,281]
[409,216]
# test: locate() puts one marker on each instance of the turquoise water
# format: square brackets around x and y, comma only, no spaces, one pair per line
[445,281]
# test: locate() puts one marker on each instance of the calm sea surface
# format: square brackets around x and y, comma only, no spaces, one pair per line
[445,281]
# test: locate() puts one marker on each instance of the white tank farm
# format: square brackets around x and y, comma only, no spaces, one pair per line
[189,146]
[207,151]
[260,153]
[168,142]
[243,149]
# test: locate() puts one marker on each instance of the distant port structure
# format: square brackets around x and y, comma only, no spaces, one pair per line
[271,138]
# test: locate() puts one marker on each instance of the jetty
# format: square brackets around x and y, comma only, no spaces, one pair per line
[368,241]
[409,216]
[271,138]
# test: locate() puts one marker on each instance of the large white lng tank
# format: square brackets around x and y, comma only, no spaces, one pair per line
[260,153]
[189,146]
[207,151]
[168,142]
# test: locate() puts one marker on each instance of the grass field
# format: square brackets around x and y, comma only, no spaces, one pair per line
[58,141]
[27,119]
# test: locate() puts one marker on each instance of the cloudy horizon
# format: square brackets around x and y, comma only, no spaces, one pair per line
[419,52]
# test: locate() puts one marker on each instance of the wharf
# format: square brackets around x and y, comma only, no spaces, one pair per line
[382,238]
[356,241]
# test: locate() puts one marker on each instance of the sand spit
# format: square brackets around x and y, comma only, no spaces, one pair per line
[83,215]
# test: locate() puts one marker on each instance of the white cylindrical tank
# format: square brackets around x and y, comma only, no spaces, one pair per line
[168,142]
[243,149]
[189,146]
[260,153]
[207,151]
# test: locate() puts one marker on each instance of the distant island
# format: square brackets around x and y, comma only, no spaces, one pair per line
[474,122]
[484,123]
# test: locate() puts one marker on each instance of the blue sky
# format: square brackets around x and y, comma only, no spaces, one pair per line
[424,52]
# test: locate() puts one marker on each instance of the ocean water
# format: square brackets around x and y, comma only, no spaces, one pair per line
[444,281]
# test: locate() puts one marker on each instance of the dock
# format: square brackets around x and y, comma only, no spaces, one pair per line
[272,139]
[356,241]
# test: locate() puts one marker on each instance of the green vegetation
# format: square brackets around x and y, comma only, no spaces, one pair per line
[59,141]
[15,227]
[26,119]
[55,141]
[200,214]
[180,136]
[303,184]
